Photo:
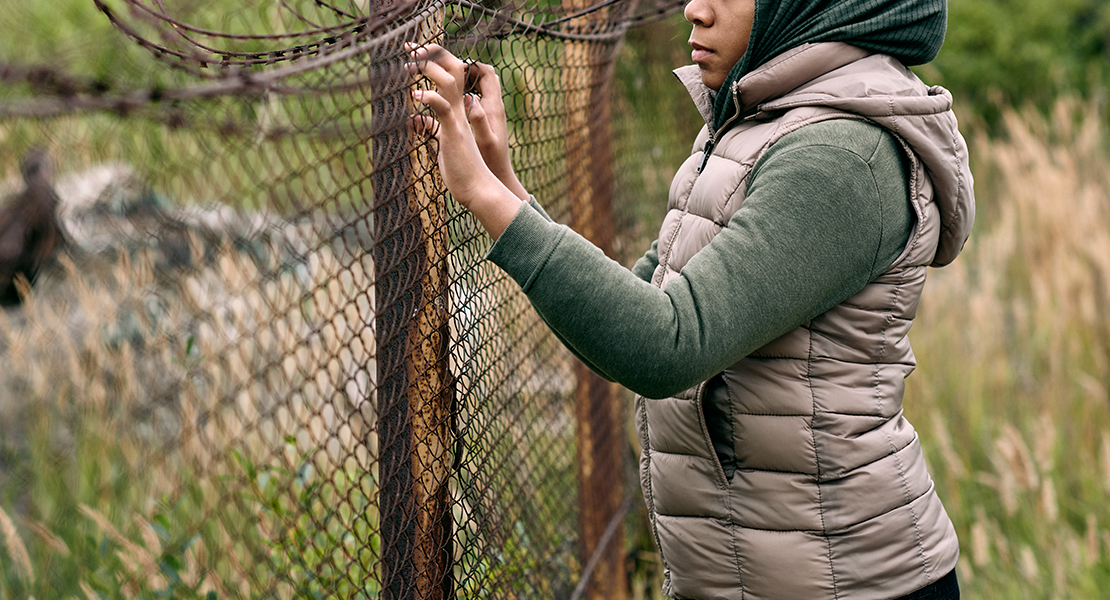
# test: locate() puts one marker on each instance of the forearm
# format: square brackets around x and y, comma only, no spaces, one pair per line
[652,341]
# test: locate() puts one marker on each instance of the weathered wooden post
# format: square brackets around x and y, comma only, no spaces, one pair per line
[598,415]
[415,393]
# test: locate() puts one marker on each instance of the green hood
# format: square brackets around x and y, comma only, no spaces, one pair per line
[910,30]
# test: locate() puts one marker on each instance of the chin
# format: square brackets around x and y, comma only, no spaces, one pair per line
[712,79]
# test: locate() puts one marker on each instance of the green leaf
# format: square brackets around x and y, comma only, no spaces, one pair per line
[170,567]
[161,525]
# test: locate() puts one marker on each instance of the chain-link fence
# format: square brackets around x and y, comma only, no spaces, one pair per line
[252,349]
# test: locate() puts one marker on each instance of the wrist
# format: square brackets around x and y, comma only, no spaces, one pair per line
[508,177]
[482,189]
[494,205]
[517,188]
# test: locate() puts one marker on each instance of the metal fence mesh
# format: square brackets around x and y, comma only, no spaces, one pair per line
[265,357]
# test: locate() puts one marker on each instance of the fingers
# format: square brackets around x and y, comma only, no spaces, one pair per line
[470,88]
[444,80]
[453,75]
[424,126]
[433,100]
[485,80]
[473,73]
[469,121]
[467,92]
[434,53]
[487,132]
[475,112]
[440,66]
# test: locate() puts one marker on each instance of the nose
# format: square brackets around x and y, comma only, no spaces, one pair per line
[698,12]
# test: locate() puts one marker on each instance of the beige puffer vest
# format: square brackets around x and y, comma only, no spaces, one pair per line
[831,498]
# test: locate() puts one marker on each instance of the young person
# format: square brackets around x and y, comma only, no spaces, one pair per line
[765,330]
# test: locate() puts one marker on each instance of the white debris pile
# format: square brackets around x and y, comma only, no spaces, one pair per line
[196,323]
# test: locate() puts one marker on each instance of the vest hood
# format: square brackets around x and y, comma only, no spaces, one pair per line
[911,31]
[875,87]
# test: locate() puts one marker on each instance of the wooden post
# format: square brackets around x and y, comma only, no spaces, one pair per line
[589,187]
[415,392]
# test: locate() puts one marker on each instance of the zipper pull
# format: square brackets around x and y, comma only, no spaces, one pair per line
[705,155]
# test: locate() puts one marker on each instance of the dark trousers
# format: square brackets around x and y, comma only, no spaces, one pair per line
[945,588]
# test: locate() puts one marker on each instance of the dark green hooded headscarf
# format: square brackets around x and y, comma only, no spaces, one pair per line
[910,30]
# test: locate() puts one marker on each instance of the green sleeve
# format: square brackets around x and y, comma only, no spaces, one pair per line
[826,212]
[645,266]
[536,205]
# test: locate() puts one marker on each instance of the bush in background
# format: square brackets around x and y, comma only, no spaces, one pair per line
[1000,53]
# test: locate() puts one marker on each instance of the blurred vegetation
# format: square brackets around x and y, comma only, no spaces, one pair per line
[1013,347]
[1003,53]
[996,54]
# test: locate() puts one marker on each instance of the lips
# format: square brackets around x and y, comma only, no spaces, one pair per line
[700,53]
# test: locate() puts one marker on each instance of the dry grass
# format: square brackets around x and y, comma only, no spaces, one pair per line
[16,550]
[1013,346]
[179,386]
[201,386]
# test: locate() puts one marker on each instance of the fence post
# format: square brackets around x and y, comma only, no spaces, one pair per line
[415,392]
[598,416]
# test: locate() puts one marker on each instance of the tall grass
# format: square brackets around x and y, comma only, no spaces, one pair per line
[1013,348]
[139,457]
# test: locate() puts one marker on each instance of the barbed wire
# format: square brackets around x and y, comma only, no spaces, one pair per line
[58,92]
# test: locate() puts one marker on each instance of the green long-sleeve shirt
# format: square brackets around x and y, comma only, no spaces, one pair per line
[826,211]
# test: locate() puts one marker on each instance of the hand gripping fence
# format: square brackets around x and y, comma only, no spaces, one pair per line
[263,356]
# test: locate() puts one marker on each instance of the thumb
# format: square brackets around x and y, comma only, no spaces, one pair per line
[480,124]
[476,114]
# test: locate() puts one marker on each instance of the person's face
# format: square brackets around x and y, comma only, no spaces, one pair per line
[720,36]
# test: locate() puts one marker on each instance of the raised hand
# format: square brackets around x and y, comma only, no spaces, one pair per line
[463,165]
[486,112]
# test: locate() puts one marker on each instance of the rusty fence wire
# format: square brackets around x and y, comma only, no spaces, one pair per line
[258,353]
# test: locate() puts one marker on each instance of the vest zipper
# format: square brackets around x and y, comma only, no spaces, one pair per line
[665,258]
[712,141]
[705,154]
